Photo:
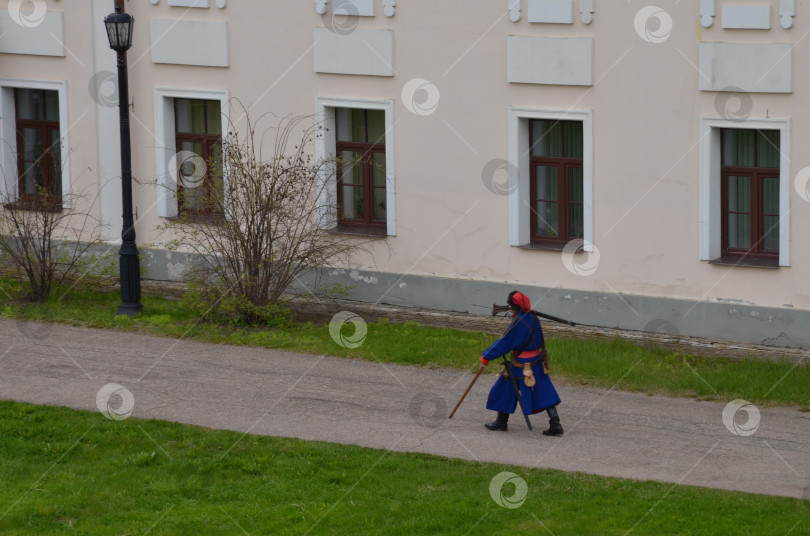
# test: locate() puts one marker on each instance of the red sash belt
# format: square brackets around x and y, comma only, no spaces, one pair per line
[528,354]
[531,354]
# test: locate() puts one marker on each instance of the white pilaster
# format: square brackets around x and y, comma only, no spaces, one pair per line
[108,139]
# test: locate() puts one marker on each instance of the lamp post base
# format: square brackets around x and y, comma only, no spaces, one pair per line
[129,308]
[130,273]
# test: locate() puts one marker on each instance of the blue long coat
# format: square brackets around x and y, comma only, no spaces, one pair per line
[524,334]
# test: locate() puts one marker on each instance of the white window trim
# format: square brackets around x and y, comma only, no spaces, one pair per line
[165,142]
[710,179]
[519,172]
[325,145]
[9,186]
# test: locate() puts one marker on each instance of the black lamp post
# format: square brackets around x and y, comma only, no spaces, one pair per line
[119,31]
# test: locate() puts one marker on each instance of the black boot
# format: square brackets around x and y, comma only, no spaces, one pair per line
[555,428]
[500,423]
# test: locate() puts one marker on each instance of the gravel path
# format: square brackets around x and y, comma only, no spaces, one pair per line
[271,392]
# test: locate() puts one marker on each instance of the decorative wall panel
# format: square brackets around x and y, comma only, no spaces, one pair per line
[551,11]
[748,67]
[746,16]
[188,42]
[548,60]
[41,37]
[361,52]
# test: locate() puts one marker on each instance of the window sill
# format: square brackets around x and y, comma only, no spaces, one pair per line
[551,246]
[747,261]
[365,232]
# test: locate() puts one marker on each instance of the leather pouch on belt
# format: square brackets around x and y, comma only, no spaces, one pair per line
[545,360]
[528,375]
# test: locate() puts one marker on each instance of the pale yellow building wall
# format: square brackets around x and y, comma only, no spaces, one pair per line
[646,113]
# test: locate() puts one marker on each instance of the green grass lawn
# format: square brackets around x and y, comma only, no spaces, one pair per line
[599,363]
[64,471]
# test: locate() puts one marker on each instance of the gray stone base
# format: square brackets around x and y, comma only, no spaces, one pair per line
[712,320]
[163,265]
[724,321]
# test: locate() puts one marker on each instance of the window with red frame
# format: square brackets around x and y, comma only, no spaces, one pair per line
[39,156]
[750,193]
[361,170]
[198,132]
[556,181]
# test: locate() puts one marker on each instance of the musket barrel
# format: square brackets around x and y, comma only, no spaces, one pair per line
[498,309]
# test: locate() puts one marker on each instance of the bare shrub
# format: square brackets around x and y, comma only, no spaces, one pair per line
[46,243]
[262,226]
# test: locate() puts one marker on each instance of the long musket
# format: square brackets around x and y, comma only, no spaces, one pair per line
[497,309]
[480,370]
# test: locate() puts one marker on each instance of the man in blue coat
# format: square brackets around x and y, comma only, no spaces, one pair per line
[524,340]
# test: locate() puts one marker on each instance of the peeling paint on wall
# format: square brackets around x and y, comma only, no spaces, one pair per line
[355,275]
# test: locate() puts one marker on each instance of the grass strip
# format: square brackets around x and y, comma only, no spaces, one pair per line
[596,363]
[64,471]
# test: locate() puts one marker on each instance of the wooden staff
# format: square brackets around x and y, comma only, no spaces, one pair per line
[480,370]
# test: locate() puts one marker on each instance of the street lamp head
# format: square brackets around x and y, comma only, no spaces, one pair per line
[119,30]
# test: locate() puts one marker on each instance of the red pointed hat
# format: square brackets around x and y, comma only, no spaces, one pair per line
[522,301]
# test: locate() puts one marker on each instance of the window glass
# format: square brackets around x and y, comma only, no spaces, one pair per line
[213,117]
[770,238]
[352,202]
[546,183]
[575,185]
[739,231]
[572,140]
[51,105]
[378,172]
[575,221]
[739,194]
[351,168]
[351,179]
[56,163]
[556,139]
[378,169]
[190,116]
[32,167]
[343,124]
[376,126]
[358,128]
[547,219]
[768,148]
[770,211]
[738,147]
[739,217]
[217,177]
[379,204]
[770,195]
[193,193]
[575,200]
[37,104]
[546,138]
[31,144]
[30,104]
[33,161]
